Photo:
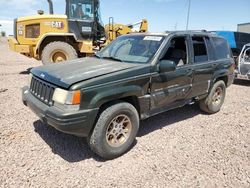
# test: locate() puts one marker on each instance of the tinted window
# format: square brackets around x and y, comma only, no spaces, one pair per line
[222,50]
[81,9]
[210,49]
[200,51]
[32,31]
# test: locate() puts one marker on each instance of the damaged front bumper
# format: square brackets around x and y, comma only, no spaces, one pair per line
[78,123]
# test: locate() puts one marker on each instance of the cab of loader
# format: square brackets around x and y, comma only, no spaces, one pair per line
[84,18]
[79,32]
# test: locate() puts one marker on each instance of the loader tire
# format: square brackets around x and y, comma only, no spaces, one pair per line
[57,52]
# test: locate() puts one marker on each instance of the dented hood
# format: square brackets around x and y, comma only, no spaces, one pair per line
[68,73]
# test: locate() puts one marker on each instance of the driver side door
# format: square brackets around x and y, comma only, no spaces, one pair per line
[171,89]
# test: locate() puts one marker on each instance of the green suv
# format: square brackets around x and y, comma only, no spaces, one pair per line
[137,76]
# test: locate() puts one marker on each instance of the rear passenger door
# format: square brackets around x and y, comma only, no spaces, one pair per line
[203,64]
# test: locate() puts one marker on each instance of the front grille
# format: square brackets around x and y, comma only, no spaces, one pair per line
[42,90]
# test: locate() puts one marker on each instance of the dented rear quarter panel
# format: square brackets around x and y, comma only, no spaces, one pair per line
[225,69]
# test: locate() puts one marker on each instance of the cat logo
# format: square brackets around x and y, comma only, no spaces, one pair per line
[58,25]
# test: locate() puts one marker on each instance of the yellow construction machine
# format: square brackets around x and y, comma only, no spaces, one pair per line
[78,33]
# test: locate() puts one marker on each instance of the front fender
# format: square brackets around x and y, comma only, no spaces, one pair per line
[46,35]
[113,94]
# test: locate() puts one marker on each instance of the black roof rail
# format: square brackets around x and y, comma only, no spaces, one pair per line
[202,30]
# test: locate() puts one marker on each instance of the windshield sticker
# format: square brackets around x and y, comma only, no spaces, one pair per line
[152,38]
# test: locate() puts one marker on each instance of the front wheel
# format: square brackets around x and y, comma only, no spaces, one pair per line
[215,99]
[115,130]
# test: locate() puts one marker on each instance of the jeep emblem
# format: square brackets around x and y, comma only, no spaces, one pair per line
[42,75]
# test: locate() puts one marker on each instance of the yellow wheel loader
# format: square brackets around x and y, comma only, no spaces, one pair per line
[55,38]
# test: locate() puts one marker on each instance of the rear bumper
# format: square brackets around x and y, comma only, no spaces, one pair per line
[12,43]
[77,123]
[243,77]
[20,48]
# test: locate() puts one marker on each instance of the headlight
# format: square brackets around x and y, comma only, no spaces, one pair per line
[67,97]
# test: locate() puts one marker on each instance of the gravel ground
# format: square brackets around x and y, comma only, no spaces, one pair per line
[179,148]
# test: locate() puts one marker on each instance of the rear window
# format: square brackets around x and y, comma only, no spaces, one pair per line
[222,50]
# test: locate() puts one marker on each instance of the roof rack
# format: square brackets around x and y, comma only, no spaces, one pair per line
[202,30]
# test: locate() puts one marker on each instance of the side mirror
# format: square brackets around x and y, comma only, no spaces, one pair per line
[166,66]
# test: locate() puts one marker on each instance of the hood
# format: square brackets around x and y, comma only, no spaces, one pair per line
[41,17]
[68,73]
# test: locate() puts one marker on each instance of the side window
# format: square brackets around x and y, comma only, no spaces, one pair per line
[246,55]
[177,51]
[200,50]
[222,50]
[210,48]
[81,9]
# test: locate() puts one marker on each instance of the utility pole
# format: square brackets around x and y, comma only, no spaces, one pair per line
[0,33]
[175,26]
[188,14]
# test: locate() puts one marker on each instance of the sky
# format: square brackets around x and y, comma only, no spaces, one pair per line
[162,15]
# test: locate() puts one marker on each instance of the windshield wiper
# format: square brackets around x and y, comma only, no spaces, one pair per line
[113,58]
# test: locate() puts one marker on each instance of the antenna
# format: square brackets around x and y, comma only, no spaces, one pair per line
[188,14]
[175,26]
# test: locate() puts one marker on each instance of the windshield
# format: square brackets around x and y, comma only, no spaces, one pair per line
[81,9]
[99,16]
[132,48]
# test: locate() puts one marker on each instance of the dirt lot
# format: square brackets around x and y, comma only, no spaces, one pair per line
[180,148]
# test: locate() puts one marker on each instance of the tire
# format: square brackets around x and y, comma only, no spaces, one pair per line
[56,52]
[102,140]
[212,104]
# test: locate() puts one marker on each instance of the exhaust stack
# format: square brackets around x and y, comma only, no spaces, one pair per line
[51,11]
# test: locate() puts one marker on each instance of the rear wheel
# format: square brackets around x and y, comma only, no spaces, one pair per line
[215,99]
[56,52]
[115,130]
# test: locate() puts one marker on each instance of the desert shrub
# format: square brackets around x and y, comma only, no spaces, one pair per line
[3,33]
